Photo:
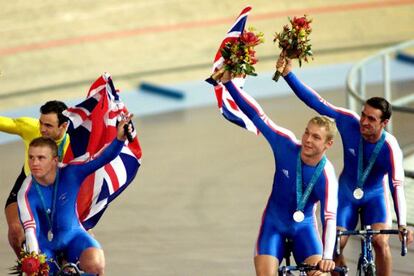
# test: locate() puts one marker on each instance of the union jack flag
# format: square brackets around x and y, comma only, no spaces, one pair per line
[225,102]
[94,126]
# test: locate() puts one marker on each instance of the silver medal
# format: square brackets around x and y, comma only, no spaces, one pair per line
[298,216]
[50,235]
[358,193]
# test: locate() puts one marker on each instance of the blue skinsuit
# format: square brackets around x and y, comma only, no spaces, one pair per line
[277,222]
[374,204]
[69,235]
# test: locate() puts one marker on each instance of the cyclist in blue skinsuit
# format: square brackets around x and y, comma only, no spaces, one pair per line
[47,204]
[290,211]
[362,184]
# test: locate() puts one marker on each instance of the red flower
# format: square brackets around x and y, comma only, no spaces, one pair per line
[300,23]
[30,265]
[239,55]
[44,269]
[294,40]
[249,38]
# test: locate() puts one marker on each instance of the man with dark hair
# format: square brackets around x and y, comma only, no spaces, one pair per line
[52,124]
[371,154]
[47,204]
[381,104]
[48,128]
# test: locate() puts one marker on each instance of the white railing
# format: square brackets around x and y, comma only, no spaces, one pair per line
[356,81]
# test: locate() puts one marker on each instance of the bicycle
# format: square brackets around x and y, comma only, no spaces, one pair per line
[287,269]
[366,263]
[303,268]
[68,268]
[71,269]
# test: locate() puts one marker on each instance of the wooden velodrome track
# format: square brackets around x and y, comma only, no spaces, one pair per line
[196,204]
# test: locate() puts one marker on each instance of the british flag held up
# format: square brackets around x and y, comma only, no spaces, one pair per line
[93,126]
[225,102]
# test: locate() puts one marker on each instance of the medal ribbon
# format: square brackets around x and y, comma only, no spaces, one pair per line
[302,198]
[363,174]
[61,147]
[39,192]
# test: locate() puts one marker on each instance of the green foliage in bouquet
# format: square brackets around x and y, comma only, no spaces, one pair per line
[294,39]
[239,55]
[32,264]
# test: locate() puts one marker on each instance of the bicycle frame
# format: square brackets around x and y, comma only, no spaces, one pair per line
[366,260]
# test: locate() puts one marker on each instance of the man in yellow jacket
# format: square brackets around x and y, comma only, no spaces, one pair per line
[52,124]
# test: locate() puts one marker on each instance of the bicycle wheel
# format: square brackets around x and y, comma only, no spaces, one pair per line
[370,270]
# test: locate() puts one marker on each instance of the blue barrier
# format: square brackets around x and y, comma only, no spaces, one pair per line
[405,57]
[162,91]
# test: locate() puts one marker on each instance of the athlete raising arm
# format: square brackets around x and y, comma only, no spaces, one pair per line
[371,155]
[303,177]
[52,124]
[47,204]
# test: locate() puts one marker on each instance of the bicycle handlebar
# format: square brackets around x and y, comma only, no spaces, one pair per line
[370,233]
[68,269]
[307,267]
[71,269]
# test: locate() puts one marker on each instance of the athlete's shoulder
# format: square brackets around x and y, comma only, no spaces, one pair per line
[392,141]
[330,171]
[348,113]
[25,188]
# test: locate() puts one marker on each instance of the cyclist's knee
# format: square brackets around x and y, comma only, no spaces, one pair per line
[380,244]
[93,266]
[92,260]
[343,240]
[265,265]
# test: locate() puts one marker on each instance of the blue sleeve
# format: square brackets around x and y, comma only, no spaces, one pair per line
[253,113]
[310,97]
[110,153]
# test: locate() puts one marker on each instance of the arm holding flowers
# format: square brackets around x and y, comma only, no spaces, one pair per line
[28,216]
[30,260]
[239,56]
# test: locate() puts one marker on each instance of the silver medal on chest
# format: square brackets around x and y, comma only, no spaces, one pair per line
[358,193]
[298,216]
[50,235]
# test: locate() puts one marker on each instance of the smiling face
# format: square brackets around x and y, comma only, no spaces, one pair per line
[49,126]
[371,124]
[315,142]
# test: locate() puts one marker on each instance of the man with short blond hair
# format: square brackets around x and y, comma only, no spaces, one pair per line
[47,204]
[303,177]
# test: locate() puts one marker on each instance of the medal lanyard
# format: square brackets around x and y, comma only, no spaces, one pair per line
[39,192]
[302,198]
[363,174]
[61,147]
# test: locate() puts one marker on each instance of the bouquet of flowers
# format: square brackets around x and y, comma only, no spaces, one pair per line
[31,264]
[294,40]
[239,55]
